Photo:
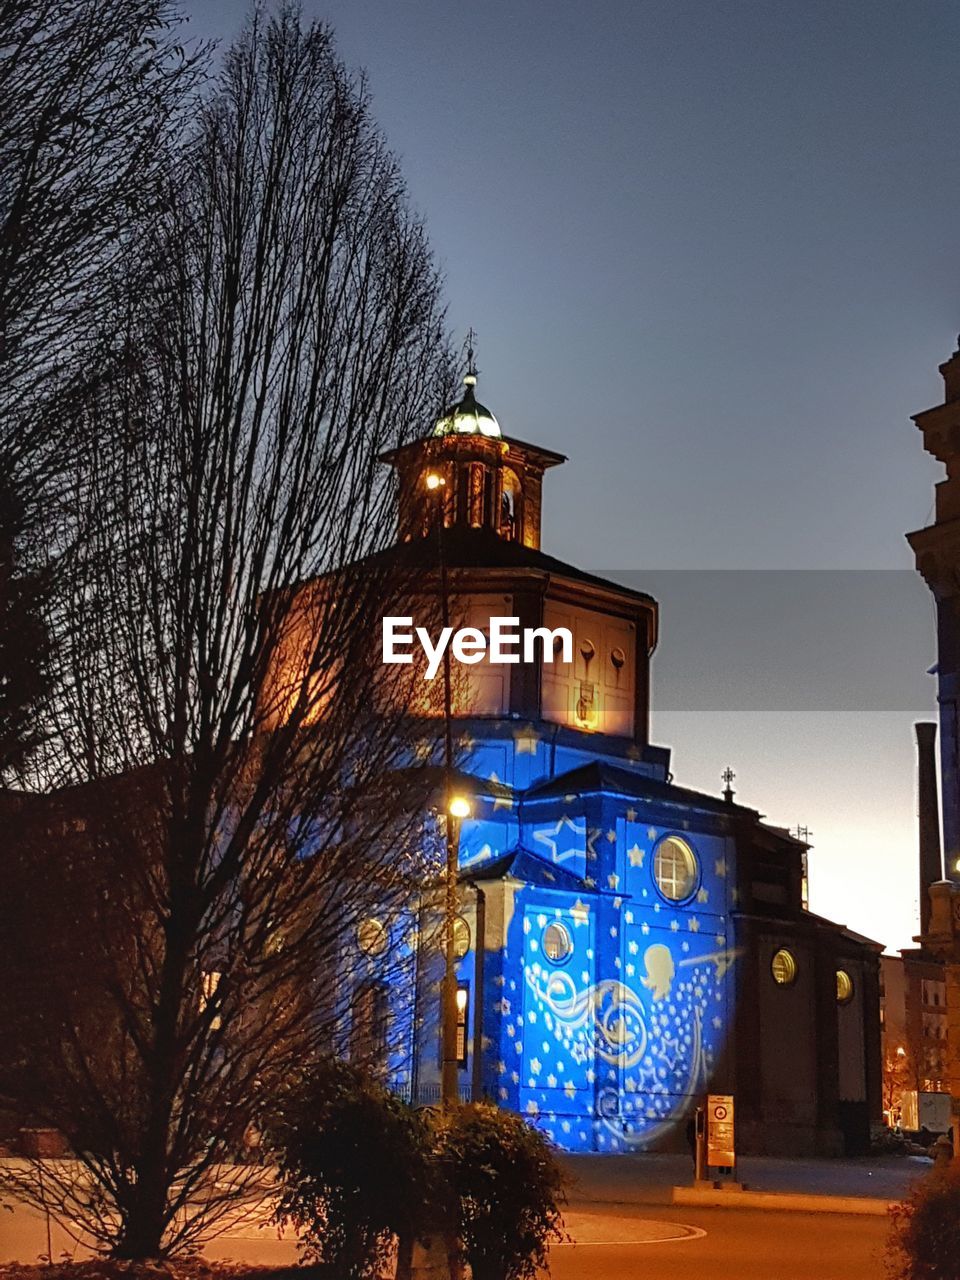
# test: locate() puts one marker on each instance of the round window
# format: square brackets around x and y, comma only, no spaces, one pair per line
[556,942]
[844,987]
[372,937]
[783,966]
[461,938]
[675,868]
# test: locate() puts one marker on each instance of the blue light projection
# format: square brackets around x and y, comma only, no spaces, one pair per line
[605,1032]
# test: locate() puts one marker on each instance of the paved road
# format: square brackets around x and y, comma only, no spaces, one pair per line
[618,1242]
[734,1244]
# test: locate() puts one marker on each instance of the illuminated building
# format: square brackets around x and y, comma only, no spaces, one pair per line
[626,943]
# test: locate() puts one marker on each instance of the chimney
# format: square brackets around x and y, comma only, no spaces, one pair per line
[928,813]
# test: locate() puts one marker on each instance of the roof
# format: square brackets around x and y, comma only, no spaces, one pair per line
[600,776]
[850,934]
[466,548]
[529,867]
[468,417]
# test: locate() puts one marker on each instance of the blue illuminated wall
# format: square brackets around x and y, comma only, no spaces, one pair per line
[605,1049]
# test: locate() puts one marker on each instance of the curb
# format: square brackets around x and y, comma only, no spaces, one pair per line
[797,1202]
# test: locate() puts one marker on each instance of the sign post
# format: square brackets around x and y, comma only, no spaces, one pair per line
[721,1147]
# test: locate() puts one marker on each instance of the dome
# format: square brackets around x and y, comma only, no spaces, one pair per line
[468,418]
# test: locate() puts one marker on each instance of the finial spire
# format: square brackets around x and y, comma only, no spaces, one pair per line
[471,379]
[727,777]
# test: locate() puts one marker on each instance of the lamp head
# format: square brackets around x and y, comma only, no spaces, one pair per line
[458,807]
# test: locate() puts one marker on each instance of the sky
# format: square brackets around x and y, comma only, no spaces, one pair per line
[709,248]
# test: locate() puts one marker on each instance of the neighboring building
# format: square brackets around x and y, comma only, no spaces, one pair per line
[937,552]
[913,1021]
[626,944]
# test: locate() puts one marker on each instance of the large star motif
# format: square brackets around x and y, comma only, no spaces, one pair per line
[570,1089]
[703,895]
[670,1052]
[694,925]
[549,838]
[635,856]
[720,867]
[631,815]
[613,880]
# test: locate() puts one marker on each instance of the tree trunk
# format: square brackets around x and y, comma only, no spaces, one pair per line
[144,1222]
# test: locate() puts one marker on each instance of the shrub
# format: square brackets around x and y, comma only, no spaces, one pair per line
[355,1169]
[926,1231]
[509,1186]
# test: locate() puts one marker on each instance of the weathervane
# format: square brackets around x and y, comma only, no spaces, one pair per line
[471,367]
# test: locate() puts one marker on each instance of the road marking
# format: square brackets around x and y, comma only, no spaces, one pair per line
[683,1231]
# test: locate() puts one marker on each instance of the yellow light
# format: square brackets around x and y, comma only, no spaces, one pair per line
[434,481]
[956,865]
[901,1051]
[459,807]
[461,998]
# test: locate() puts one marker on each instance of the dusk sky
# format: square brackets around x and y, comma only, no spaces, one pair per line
[711,253]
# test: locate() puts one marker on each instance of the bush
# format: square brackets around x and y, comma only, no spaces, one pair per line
[355,1169]
[926,1231]
[509,1186]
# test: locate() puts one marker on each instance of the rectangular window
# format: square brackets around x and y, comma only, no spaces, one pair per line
[368,1031]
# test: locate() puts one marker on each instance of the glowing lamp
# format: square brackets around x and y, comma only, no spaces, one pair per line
[458,807]
[956,865]
[461,998]
[433,481]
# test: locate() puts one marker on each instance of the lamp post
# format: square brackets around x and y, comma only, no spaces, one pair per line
[456,808]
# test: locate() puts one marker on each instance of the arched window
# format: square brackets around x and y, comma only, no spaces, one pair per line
[510,503]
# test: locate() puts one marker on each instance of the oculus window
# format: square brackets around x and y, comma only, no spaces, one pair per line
[372,937]
[783,966]
[675,869]
[556,942]
[461,938]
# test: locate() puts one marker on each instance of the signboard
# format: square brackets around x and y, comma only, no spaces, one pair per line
[720,1146]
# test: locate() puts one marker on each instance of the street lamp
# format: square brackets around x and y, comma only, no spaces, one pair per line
[458,808]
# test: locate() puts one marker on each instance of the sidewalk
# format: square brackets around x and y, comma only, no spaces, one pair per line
[651,1179]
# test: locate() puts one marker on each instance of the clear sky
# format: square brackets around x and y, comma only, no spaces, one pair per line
[710,250]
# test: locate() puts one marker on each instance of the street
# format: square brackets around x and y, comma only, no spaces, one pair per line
[656,1242]
[732,1244]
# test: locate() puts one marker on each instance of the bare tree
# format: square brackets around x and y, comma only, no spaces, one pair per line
[231,750]
[91,94]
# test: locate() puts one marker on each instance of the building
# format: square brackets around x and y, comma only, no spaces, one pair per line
[625,944]
[912,984]
[937,552]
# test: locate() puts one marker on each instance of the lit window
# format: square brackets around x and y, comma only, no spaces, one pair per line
[463,1007]
[209,982]
[461,938]
[556,942]
[844,987]
[675,869]
[783,966]
[372,937]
